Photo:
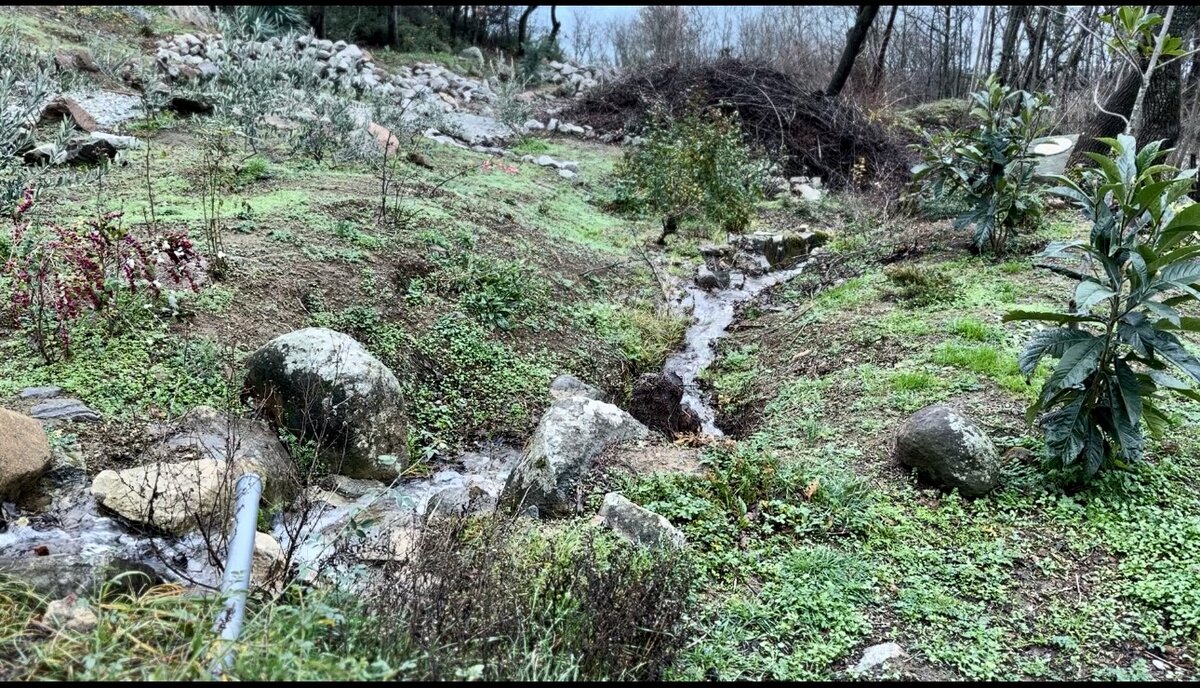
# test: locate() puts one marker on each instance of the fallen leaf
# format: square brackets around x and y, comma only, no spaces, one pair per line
[812,488]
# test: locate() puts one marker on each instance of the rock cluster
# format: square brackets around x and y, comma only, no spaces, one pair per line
[573,78]
[754,254]
[338,64]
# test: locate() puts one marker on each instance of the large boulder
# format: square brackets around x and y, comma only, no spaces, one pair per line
[571,434]
[657,401]
[24,452]
[326,387]
[191,469]
[949,449]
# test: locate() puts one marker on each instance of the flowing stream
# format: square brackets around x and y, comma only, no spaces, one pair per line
[712,313]
[73,528]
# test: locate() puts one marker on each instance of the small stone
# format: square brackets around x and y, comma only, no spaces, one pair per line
[72,410]
[567,174]
[876,655]
[951,450]
[41,392]
[638,524]
[70,614]
[807,192]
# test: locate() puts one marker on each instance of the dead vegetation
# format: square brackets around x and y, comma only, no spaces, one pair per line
[809,133]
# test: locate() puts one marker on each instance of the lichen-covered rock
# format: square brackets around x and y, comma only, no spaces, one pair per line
[326,387]
[638,524]
[950,450]
[568,438]
[72,613]
[24,452]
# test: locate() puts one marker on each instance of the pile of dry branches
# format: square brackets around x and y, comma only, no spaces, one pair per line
[809,133]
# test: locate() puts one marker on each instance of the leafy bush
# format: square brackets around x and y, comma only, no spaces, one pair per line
[1115,346]
[694,167]
[56,274]
[644,336]
[991,166]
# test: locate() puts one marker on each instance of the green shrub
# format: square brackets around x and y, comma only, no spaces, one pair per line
[1115,347]
[919,285]
[991,166]
[694,167]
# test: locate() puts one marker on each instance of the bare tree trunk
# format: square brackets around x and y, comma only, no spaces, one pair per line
[555,25]
[393,38]
[877,73]
[523,27]
[1008,45]
[854,40]
[1160,119]
[1135,115]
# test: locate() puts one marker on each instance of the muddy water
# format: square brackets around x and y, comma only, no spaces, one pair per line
[712,313]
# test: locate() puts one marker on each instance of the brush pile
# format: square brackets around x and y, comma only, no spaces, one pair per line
[808,132]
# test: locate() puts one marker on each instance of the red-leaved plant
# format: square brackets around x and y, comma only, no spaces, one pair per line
[56,274]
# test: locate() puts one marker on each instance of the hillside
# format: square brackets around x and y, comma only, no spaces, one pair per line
[552,440]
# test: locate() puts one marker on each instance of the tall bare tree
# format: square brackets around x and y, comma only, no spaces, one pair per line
[854,40]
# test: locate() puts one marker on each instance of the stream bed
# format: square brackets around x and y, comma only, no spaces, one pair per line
[712,313]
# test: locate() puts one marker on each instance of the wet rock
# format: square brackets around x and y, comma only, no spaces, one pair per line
[40,392]
[350,488]
[69,410]
[172,497]
[657,401]
[206,433]
[266,566]
[710,279]
[876,655]
[565,386]
[60,575]
[638,524]
[72,613]
[24,452]
[62,108]
[949,449]
[324,385]
[779,250]
[560,453]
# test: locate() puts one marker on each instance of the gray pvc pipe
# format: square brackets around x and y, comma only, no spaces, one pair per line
[236,582]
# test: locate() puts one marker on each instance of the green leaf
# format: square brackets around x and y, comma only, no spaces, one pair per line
[1076,364]
[1049,342]
[1067,430]
[1091,292]
[1170,348]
